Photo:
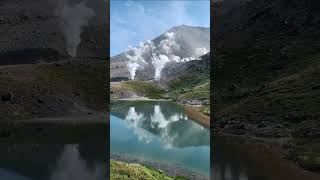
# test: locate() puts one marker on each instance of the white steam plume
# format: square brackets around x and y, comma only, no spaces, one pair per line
[158,63]
[72,18]
[137,56]
[159,56]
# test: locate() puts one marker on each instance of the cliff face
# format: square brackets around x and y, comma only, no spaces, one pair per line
[266,68]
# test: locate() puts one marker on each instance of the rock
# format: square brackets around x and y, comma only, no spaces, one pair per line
[40,101]
[235,128]
[272,131]
[262,124]
[314,133]
[315,87]
[294,117]
[6,97]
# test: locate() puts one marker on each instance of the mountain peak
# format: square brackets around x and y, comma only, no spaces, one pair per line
[184,26]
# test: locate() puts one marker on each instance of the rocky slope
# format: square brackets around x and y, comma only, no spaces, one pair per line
[266,73]
[38,78]
[62,88]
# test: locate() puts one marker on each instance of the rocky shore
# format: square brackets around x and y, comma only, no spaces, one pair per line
[170,170]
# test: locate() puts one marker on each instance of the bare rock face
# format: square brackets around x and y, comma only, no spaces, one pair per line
[119,70]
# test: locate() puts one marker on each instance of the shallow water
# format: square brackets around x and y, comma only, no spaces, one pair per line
[160,132]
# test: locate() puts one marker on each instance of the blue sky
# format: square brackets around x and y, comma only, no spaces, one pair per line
[133,21]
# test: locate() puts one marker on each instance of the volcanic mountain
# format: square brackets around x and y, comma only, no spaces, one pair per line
[188,38]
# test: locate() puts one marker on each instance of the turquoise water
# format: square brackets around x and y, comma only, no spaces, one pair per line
[160,132]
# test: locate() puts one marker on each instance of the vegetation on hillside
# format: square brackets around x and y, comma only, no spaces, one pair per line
[145,89]
[126,171]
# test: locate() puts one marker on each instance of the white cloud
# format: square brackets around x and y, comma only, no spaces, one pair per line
[147,20]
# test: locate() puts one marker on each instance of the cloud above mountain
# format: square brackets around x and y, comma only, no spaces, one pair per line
[135,21]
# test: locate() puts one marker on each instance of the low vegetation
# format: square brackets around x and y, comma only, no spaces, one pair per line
[145,89]
[126,171]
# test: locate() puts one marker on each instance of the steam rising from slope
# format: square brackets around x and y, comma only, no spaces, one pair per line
[137,56]
[72,19]
[158,56]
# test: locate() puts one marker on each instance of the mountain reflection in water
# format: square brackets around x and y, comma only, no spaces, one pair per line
[84,161]
[71,166]
[173,126]
[159,131]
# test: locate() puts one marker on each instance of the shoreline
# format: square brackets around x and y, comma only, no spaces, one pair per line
[68,119]
[268,150]
[170,170]
[139,98]
[196,115]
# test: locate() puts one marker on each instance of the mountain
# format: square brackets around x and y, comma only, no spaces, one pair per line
[187,37]
[266,73]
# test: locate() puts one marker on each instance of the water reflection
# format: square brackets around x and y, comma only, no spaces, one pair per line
[159,132]
[84,161]
[71,166]
[173,128]
[229,172]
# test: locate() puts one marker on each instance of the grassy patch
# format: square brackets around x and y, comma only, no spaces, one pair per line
[200,92]
[189,88]
[146,89]
[126,171]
